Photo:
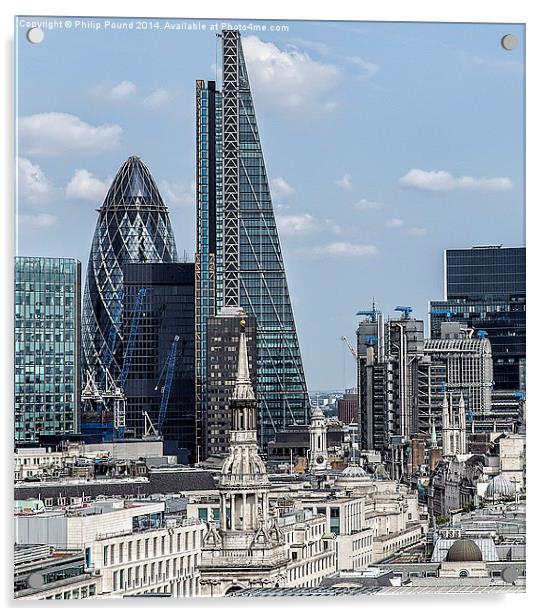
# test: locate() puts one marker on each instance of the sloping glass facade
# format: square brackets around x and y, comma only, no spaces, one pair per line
[253,274]
[133,227]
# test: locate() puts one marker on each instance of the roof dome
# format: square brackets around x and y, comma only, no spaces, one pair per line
[464,550]
[499,486]
[317,413]
[354,472]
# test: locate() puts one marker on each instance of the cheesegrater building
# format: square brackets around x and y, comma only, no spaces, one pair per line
[239,259]
[133,227]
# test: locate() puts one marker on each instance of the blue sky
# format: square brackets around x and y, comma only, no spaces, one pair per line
[385,144]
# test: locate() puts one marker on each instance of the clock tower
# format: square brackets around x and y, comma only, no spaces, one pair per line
[318,442]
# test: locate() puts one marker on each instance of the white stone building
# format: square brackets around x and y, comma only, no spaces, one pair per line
[132,545]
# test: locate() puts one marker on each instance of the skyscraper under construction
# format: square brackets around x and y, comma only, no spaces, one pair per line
[239,259]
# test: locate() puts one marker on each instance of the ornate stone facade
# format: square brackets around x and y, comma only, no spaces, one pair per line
[248,549]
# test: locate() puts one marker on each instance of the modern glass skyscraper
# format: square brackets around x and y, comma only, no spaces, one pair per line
[485,289]
[166,316]
[47,347]
[239,258]
[133,227]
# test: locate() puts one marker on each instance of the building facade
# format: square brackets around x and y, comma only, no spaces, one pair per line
[133,227]
[166,313]
[134,547]
[485,290]
[47,347]
[223,335]
[239,259]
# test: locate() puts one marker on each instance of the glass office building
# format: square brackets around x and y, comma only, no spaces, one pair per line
[133,227]
[166,313]
[485,289]
[238,253]
[47,347]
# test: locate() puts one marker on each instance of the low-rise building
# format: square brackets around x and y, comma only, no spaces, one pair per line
[134,546]
[42,572]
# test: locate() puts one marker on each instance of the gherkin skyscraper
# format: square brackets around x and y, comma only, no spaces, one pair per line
[239,260]
[133,227]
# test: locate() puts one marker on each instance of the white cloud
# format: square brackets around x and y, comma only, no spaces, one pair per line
[121,91]
[158,98]
[365,204]
[417,231]
[304,224]
[178,194]
[345,182]
[288,80]
[343,249]
[84,185]
[394,222]
[36,221]
[280,188]
[55,134]
[368,69]
[445,181]
[32,183]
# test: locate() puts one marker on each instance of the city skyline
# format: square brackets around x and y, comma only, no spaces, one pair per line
[393,215]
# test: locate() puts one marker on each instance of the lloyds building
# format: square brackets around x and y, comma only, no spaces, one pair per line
[239,260]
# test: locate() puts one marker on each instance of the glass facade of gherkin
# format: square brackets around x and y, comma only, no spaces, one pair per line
[252,268]
[133,227]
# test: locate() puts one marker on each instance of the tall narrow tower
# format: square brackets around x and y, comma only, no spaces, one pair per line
[318,441]
[244,262]
[248,549]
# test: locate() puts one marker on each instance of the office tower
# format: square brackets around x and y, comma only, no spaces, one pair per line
[223,334]
[239,260]
[133,227]
[160,378]
[347,407]
[47,347]
[388,356]
[485,290]
[372,395]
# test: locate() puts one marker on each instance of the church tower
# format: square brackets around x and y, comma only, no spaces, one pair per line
[318,442]
[247,550]
[453,427]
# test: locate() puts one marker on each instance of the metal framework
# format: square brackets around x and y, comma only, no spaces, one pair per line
[231,168]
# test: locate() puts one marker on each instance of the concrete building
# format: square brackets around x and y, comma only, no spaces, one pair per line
[43,573]
[134,546]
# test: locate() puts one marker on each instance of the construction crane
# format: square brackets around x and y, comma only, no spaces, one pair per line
[352,349]
[405,310]
[166,389]
[128,353]
[371,313]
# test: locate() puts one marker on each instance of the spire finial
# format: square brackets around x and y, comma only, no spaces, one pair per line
[243,389]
